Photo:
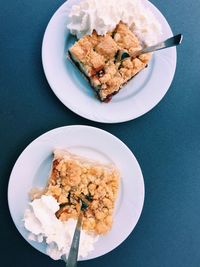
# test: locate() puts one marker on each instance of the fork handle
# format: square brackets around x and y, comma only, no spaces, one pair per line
[73,253]
[173,41]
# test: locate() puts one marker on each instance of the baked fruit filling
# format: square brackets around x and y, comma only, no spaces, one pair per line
[72,176]
[98,58]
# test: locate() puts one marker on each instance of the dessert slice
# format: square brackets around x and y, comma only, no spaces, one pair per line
[73,177]
[98,58]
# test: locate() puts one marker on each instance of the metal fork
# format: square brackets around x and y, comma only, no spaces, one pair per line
[73,253]
[173,41]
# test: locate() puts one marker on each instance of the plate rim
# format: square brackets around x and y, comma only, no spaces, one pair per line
[141,178]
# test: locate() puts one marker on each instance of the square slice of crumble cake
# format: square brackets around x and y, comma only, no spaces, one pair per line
[97,57]
[73,176]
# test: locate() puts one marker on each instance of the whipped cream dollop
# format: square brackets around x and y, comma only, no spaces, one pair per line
[43,226]
[103,16]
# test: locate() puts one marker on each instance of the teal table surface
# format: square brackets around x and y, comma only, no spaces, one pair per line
[166,141]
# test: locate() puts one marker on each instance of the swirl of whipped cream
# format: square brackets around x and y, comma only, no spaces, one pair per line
[43,226]
[103,16]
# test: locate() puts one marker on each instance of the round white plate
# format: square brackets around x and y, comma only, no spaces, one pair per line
[33,166]
[139,96]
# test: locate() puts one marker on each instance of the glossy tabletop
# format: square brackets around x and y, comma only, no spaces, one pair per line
[166,141]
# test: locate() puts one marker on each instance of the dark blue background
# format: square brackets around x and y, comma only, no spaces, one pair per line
[165,141]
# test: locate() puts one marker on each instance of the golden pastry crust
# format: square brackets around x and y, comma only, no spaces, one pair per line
[107,47]
[96,57]
[72,176]
[125,39]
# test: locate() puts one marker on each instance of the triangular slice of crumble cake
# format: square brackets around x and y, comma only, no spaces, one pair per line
[96,57]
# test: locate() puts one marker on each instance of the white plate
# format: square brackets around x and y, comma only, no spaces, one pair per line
[139,96]
[33,166]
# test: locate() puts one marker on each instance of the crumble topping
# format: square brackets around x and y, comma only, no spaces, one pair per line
[72,176]
[97,57]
